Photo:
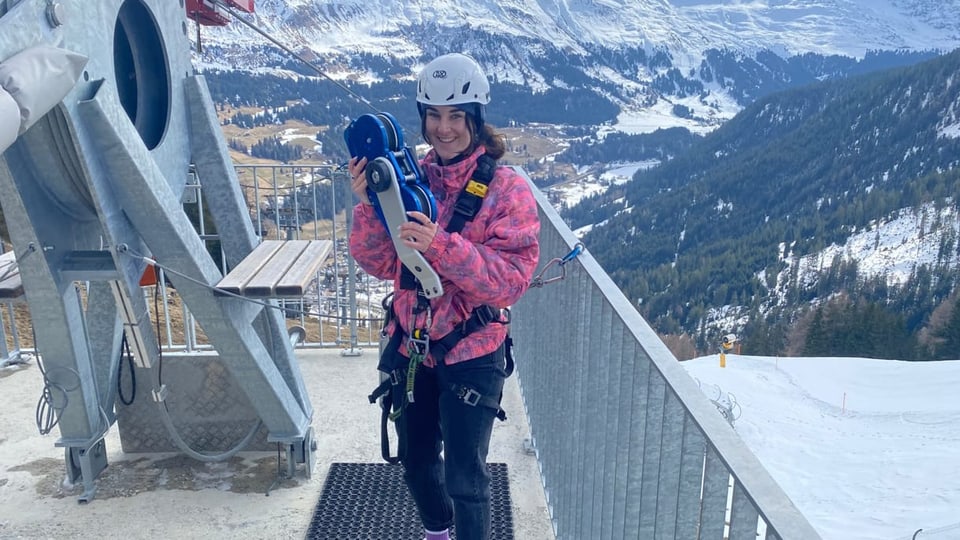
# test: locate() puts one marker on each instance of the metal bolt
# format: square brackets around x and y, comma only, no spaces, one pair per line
[55,14]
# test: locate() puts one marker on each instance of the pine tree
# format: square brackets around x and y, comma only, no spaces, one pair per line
[949,333]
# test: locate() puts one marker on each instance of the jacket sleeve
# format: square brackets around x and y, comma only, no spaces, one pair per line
[496,270]
[370,245]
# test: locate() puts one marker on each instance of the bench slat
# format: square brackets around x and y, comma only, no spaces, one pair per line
[298,277]
[277,268]
[236,280]
[265,282]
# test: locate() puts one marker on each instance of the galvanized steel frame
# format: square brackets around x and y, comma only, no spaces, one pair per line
[96,184]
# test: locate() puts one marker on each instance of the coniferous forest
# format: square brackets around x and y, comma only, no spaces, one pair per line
[792,174]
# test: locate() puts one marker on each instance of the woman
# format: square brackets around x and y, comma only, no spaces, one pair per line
[484,268]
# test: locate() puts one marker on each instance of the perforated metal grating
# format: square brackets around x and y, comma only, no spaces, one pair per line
[369,501]
[209,409]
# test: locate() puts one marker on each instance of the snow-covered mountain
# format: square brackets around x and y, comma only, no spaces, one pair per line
[709,57]
[656,64]
[400,28]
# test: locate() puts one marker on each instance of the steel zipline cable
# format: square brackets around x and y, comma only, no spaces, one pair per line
[293,54]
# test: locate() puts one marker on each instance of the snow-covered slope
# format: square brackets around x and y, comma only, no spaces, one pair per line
[866,449]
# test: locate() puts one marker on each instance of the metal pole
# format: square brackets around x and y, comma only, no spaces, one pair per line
[256,203]
[351,290]
[5,356]
[336,260]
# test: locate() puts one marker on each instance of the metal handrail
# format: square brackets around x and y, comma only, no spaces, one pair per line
[628,445]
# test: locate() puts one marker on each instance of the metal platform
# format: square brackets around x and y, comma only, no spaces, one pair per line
[370,501]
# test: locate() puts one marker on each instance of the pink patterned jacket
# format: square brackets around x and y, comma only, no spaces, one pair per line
[491,261]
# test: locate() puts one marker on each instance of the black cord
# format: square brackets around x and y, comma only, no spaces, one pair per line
[125,354]
[47,414]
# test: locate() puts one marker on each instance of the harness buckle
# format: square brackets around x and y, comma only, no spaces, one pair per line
[469,396]
[418,343]
[485,314]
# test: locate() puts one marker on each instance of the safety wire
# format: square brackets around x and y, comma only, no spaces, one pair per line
[286,309]
[539,281]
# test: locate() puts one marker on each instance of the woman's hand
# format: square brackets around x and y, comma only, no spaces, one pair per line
[418,234]
[358,182]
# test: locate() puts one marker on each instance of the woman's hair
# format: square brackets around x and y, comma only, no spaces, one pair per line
[494,142]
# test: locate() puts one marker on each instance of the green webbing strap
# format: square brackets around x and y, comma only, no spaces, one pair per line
[415,360]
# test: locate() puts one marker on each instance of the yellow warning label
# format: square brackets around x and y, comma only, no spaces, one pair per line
[476,188]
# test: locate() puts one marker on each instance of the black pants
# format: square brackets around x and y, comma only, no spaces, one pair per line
[453,488]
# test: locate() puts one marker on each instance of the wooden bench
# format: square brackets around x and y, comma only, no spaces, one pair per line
[277,269]
[10,285]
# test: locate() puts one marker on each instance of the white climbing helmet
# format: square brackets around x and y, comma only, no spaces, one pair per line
[452,79]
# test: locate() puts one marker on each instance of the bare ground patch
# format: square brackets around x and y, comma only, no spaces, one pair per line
[125,478]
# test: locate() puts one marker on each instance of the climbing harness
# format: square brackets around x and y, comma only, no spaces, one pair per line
[396,388]
[419,343]
[539,281]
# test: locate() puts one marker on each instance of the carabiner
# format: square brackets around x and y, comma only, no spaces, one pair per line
[538,280]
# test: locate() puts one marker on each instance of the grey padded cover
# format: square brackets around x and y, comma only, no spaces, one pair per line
[9,120]
[38,78]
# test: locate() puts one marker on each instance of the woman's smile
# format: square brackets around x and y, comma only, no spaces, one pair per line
[447,131]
